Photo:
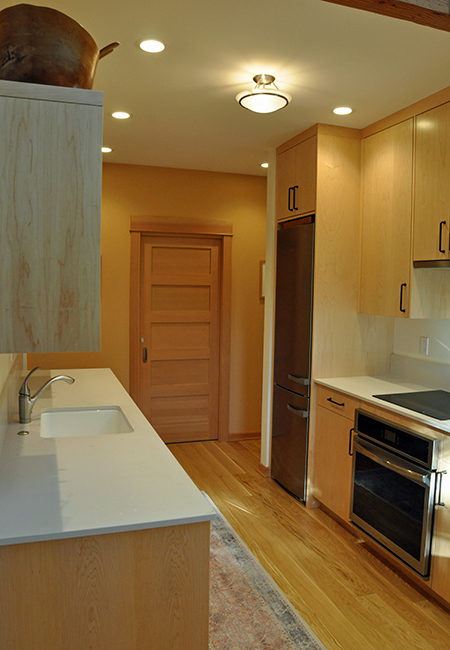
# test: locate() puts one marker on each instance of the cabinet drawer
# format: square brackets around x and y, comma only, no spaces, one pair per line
[333,400]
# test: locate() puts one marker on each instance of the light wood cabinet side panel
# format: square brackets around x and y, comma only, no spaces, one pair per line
[344,342]
[387,164]
[137,590]
[50,199]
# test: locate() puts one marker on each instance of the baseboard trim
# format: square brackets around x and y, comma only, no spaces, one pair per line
[249,435]
[265,471]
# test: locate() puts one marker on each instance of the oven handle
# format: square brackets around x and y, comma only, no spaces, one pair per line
[385,458]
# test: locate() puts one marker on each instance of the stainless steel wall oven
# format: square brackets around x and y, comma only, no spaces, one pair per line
[395,488]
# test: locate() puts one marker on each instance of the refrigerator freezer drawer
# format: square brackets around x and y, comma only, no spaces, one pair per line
[290,440]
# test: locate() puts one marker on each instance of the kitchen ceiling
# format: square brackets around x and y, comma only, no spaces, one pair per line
[182,101]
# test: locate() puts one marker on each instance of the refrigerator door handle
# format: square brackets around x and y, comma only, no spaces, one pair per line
[300,412]
[304,381]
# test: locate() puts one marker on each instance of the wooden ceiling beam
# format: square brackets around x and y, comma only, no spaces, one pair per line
[401,10]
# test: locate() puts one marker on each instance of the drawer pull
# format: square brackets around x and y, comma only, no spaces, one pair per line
[333,402]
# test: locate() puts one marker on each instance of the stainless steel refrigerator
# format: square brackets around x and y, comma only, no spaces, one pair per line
[292,363]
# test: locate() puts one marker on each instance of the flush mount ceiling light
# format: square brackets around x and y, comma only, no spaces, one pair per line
[151,46]
[265,97]
[342,110]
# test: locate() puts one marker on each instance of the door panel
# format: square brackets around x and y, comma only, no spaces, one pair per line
[179,382]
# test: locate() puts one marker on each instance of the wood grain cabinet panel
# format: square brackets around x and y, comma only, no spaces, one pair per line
[50,200]
[432,187]
[440,554]
[386,221]
[296,179]
[332,461]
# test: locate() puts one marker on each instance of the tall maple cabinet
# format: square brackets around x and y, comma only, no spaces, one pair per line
[343,341]
[50,198]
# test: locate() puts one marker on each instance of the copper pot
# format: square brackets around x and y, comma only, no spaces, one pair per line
[44,46]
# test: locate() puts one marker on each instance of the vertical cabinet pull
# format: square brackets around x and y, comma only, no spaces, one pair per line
[439,499]
[350,441]
[290,194]
[295,197]
[402,287]
[144,355]
[441,250]
[292,198]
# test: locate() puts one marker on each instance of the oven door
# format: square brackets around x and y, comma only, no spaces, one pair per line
[393,501]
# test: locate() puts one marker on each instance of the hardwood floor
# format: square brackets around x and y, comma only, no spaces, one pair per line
[349,598]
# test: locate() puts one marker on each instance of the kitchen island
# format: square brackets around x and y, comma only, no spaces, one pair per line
[104,541]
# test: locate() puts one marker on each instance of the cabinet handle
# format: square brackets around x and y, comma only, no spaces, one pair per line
[290,193]
[304,381]
[441,250]
[402,286]
[350,441]
[300,412]
[439,501]
[295,197]
[333,402]
[144,355]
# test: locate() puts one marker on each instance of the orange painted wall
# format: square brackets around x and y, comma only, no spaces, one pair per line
[131,190]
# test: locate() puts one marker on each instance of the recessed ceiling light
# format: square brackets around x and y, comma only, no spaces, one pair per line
[152,46]
[121,115]
[342,110]
[106,149]
[265,165]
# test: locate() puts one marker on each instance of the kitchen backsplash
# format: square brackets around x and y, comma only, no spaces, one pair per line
[408,334]
[417,371]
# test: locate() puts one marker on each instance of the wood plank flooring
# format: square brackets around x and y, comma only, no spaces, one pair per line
[349,598]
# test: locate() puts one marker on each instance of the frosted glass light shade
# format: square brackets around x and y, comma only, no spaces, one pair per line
[263,99]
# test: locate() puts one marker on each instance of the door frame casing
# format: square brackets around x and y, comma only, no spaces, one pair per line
[166,227]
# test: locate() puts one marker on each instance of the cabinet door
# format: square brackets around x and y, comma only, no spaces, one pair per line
[285,184]
[440,555]
[332,461]
[50,197]
[386,221]
[305,176]
[432,187]
[297,179]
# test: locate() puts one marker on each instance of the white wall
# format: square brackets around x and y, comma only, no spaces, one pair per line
[408,332]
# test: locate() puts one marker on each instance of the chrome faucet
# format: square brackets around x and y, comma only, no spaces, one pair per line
[26,401]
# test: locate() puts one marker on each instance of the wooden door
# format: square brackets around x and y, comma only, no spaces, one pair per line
[179,334]
[386,221]
[432,189]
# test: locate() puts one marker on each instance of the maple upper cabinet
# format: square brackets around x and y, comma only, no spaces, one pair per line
[296,179]
[50,198]
[387,164]
[432,187]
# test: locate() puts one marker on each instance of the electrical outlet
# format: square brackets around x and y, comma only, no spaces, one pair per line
[424,344]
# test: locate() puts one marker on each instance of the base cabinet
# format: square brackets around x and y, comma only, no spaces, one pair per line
[136,590]
[332,452]
[440,555]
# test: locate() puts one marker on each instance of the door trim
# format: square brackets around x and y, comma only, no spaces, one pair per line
[155,226]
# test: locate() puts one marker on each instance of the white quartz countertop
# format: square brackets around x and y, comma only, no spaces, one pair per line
[75,486]
[365,388]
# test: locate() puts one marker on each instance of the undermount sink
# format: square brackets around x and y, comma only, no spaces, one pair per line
[85,421]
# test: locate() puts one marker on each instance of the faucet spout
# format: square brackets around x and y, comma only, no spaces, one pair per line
[27,401]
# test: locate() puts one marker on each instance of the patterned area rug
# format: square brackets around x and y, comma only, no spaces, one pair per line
[247,610]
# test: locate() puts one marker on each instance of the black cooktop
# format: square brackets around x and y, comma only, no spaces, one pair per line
[434,403]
